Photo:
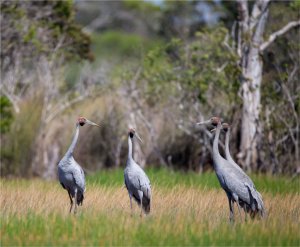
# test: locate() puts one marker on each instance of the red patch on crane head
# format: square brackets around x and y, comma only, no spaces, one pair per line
[131,132]
[225,126]
[215,120]
[81,121]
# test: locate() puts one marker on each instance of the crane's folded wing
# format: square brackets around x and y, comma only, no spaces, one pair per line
[79,178]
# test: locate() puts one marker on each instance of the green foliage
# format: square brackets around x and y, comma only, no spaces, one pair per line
[64,9]
[196,65]
[63,24]
[121,45]
[6,115]
[141,6]
[32,34]
[107,230]
[295,5]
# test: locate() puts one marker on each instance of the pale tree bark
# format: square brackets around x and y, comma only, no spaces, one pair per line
[250,44]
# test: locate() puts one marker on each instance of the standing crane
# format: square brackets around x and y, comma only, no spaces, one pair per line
[231,180]
[257,205]
[70,174]
[136,181]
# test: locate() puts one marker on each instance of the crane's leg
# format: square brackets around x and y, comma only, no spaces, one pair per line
[141,199]
[71,202]
[236,198]
[245,211]
[130,198]
[239,210]
[75,200]
[231,212]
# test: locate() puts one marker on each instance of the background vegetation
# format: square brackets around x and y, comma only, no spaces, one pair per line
[157,67]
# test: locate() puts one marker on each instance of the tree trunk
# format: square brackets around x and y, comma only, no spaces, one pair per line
[250,132]
[251,29]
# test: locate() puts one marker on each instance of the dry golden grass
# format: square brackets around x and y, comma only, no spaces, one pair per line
[175,212]
[48,197]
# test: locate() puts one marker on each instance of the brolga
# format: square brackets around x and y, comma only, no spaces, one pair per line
[70,173]
[257,205]
[136,181]
[230,179]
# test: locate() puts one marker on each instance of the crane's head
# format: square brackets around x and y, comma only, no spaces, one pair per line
[132,132]
[82,121]
[225,127]
[213,121]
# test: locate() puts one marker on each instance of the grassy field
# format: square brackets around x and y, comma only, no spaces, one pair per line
[187,209]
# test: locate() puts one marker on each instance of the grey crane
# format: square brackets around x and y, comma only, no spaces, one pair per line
[136,181]
[70,174]
[234,184]
[257,205]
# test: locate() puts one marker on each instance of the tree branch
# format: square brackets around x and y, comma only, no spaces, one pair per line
[259,31]
[258,8]
[278,33]
[243,17]
[243,11]
[64,106]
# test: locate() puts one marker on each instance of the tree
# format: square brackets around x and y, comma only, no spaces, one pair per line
[32,32]
[38,38]
[250,45]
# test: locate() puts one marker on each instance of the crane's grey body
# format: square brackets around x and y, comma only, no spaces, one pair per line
[136,181]
[257,204]
[228,178]
[231,179]
[71,175]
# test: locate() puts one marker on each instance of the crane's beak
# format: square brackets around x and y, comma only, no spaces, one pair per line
[213,130]
[138,137]
[204,122]
[91,123]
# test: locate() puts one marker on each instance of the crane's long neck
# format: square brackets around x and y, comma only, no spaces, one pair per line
[130,148]
[216,155]
[74,141]
[227,152]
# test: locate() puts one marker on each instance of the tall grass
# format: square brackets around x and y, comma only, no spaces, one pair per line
[34,212]
[170,178]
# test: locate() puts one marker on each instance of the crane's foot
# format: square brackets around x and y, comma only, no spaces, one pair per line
[71,207]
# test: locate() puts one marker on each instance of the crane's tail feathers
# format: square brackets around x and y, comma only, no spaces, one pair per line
[80,198]
[145,203]
[263,212]
[256,202]
[137,199]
